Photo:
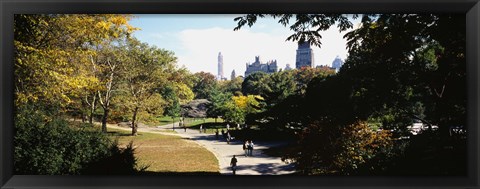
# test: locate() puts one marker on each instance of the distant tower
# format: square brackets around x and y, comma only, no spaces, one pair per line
[220,66]
[304,55]
[233,76]
[288,67]
[337,64]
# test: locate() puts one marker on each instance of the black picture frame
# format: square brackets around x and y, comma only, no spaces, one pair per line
[10,7]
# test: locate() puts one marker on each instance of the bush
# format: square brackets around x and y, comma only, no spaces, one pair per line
[47,145]
[329,149]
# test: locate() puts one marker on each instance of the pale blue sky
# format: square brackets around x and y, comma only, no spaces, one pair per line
[197,39]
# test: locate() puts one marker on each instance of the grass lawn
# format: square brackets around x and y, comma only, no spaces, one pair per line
[208,123]
[166,120]
[165,153]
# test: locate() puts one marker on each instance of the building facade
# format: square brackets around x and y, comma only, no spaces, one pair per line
[304,56]
[257,66]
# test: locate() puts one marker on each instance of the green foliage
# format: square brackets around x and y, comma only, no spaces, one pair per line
[304,75]
[52,54]
[329,149]
[254,84]
[232,86]
[238,107]
[234,113]
[401,68]
[46,145]
[204,84]
[278,87]
[218,105]
[173,107]
[49,146]
[306,27]
[121,161]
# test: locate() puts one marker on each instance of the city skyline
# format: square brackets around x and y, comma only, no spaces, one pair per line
[197,39]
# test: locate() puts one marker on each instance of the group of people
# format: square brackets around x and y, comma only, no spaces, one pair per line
[226,135]
[248,148]
[203,129]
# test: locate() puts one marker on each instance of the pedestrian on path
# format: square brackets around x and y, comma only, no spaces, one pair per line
[185,128]
[201,128]
[216,134]
[245,148]
[250,148]
[233,164]
[228,126]
[229,137]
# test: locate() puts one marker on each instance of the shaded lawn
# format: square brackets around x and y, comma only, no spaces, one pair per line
[164,154]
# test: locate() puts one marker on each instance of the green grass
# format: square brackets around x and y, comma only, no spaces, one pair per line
[166,120]
[167,154]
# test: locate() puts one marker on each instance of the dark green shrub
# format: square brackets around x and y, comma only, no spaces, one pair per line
[47,145]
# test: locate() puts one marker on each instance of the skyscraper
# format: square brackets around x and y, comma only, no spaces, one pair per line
[304,55]
[220,66]
[233,76]
[337,64]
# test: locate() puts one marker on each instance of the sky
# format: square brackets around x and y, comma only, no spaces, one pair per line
[196,41]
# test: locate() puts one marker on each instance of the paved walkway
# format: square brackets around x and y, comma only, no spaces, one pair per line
[258,164]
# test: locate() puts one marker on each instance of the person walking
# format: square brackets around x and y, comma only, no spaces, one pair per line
[229,137]
[233,164]
[250,148]
[201,128]
[216,134]
[245,148]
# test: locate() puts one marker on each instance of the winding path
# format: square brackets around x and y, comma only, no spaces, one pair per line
[258,164]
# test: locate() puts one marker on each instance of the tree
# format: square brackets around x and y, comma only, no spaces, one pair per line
[218,106]
[254,84]
[232,86]
[400,67]
[279,86]
[53,56]
[394,43]
[203,85]
[239,106]
[319,153]
[53,75]
[304,75]
[306,27]
[145,74]
[173,104]
[107,67]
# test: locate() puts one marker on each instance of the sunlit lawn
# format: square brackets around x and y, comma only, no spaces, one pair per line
[194,123]
[164,153]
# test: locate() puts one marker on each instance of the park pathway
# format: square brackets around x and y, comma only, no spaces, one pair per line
[258,164]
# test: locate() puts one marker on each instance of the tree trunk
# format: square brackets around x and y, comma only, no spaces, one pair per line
[92,109]
[173,123]
[83,117]
[134,123]
[104,120]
